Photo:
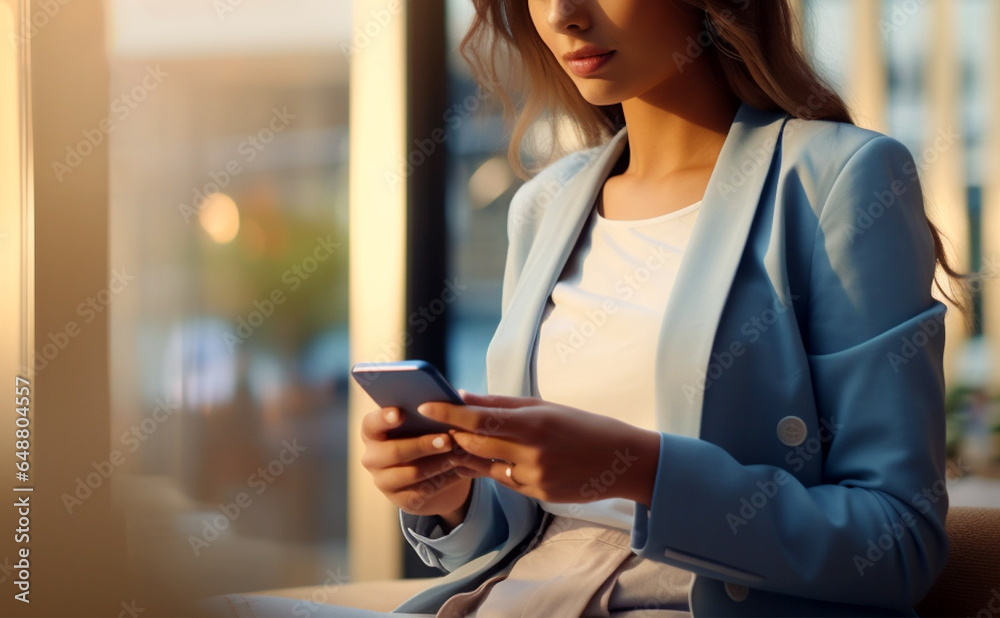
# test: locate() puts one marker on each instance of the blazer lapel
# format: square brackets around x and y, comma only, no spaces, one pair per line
[559,229]
[708,266]
[700,290]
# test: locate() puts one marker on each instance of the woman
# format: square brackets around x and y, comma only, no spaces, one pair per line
[716,387]
[769,414]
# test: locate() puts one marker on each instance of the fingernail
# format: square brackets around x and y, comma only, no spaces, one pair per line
[463,392]
[438,442]
[424,409]
[391,416]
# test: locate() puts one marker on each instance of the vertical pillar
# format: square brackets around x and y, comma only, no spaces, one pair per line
[377,271]
[427,225]
[942,161]
[991,213]
[868,82]
[15,265]
[15,202]
[77,555]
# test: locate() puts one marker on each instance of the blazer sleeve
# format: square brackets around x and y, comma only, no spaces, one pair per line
[872,532]
[471,538]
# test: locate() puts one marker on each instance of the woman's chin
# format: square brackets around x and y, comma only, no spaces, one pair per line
[600,97]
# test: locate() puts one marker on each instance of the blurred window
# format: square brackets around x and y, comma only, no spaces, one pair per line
[228,146]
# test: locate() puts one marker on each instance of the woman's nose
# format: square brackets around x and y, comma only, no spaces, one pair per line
[568,15]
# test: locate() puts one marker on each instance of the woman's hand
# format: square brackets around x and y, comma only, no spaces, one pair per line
[419,475]
[559,453]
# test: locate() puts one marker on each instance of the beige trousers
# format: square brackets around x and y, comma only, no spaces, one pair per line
[577,568]
[574,568]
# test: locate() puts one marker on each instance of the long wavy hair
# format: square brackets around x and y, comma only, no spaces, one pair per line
[753,49]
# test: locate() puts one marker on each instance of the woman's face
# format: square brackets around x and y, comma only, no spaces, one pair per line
[616,50]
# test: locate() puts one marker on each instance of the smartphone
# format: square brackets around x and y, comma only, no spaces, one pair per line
[406,385]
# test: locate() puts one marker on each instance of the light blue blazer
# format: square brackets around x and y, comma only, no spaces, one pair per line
[800,392]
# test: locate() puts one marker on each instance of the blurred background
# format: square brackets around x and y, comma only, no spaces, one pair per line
[244,254]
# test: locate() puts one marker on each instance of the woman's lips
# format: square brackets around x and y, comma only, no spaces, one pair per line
[588,65]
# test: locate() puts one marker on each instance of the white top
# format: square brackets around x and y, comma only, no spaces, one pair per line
[597,342]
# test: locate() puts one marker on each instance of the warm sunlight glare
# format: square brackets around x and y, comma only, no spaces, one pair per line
[219,217]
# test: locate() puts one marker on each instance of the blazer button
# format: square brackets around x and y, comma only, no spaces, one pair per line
[792,431]
[737,592]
